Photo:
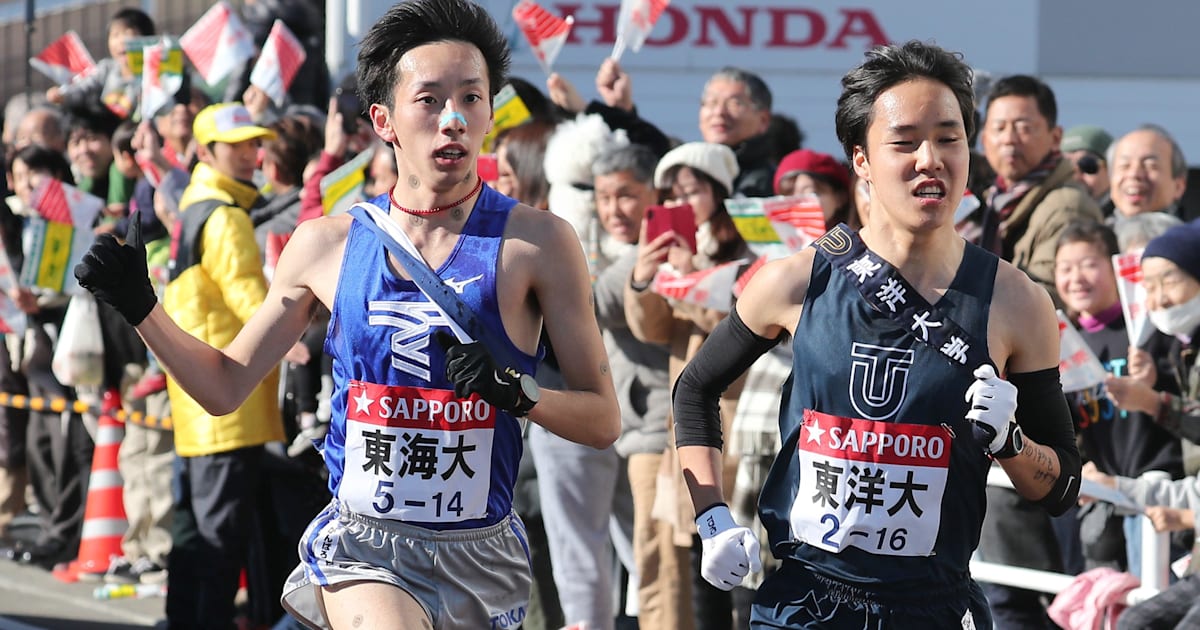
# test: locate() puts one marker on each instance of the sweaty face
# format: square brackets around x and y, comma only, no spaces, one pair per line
[1016,137]
[1084,277]
[440,114]
[916,157]
[1141,174]
[728,116]
[621,201]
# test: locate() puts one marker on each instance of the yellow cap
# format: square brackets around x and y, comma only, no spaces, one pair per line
[227,122]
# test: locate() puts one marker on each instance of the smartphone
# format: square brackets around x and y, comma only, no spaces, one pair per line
[350,108]
[680,219]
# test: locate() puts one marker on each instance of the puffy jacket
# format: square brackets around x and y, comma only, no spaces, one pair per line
[211,296]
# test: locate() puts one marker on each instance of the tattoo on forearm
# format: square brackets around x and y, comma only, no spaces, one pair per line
[1046,470]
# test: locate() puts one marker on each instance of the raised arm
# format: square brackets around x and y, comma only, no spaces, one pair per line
[219,379]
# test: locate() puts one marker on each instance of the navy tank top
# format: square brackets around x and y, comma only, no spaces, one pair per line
[879,479]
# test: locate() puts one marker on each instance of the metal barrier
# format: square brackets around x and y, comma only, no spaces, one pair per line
[59,405]
[1155,563]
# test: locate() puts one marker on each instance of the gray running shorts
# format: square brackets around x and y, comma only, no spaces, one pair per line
[466,578]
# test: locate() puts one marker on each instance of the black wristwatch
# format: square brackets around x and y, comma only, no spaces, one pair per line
[1013,445]
[529,396]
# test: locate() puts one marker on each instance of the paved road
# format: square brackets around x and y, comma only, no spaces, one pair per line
[31,598]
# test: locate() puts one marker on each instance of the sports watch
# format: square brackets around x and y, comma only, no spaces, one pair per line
[529,396]
[1013,445]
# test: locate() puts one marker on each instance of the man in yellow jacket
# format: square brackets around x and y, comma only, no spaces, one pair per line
[215,284]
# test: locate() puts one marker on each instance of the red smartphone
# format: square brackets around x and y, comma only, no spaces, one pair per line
[680,219]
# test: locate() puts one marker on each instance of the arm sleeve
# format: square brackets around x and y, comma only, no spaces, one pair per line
[1043,415]
[727,353]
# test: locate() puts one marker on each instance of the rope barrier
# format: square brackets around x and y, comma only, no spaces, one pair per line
[59,405]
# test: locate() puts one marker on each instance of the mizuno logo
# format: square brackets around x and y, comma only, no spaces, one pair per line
[459,285]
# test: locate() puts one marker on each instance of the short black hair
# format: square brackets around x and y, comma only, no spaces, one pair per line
[135,19]
[414,23]
[38,158]
[887,66]
[1025,85]
[1089,231]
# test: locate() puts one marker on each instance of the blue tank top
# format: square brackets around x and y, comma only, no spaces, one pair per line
[401,445]
[864,384]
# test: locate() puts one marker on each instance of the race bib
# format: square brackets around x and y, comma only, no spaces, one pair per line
[417,454]
[873,485]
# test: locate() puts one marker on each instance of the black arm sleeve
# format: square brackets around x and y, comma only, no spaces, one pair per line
[1043,415]
[728,352]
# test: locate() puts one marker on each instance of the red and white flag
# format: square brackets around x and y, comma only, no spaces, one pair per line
[545,32]
[217,43]
[280,60]
[1077,364]
[64,59]
[634,23]
[1133,296]
[59,235]
[710,288]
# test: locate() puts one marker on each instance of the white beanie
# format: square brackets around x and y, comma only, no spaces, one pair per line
[715,160]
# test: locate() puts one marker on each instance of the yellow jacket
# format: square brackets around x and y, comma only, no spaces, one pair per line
[216,285]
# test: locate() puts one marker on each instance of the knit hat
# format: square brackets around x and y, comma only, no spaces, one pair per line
[1086,138]
[715,160]
[821,165]
[1180,245]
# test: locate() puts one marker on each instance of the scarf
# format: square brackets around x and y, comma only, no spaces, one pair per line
[1004,197]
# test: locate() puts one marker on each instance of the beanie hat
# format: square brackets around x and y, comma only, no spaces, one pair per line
[1180,245]
[715,160]
[821,165]
[1085,138]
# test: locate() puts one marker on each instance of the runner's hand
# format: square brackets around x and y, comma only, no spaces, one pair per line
[470,367]
[730,552]
[117,274]
[993,405]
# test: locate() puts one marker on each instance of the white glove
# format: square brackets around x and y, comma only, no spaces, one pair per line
[993,405]
[729,551]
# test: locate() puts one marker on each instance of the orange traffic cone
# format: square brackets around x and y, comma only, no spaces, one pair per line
[104,521]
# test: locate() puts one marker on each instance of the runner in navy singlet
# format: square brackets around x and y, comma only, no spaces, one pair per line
[425,437]
[894,409]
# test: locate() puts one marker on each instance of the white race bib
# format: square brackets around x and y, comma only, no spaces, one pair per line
[417,454]
[873,485]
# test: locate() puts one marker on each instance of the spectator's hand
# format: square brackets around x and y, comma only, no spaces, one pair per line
[336,140]
[147,148]
[54,95]
[470,367]
[1169,519]
[729,552]
[1141,366]
[563,93]
[1131,394]
[256,101]
[650,255]
[25,299]
[1093,474]
[614,85]
[680,256]
[993,407]
[298,354]
[118,274]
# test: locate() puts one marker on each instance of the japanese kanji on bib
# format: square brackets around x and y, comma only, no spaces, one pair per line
[401,445]
[879,479]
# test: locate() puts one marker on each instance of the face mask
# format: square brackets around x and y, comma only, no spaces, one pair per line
[1181,319]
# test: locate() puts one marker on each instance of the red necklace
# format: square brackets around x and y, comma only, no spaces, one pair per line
[437,209]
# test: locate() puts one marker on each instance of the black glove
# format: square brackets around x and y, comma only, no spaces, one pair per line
[117,274]
[471,369]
